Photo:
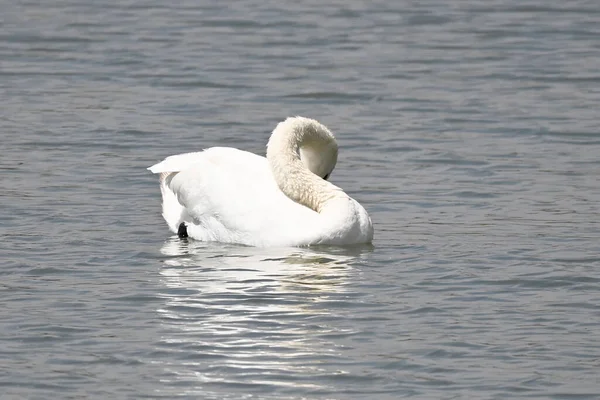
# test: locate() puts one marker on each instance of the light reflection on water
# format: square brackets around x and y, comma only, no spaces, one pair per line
[255,316]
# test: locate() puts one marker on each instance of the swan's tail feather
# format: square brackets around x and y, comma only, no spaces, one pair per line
[173,211]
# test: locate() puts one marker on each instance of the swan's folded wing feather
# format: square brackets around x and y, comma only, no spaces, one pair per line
[176,163]
[230,195]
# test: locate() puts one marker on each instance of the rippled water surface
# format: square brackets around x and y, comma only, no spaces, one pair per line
[469,130]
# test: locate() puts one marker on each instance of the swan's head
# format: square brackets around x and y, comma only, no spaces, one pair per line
[320,155]
[310,140]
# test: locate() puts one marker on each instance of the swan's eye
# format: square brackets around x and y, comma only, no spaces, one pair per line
[326,176]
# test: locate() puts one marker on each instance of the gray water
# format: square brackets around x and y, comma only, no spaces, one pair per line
[469,130]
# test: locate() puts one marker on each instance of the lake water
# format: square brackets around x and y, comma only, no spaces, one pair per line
[469,130]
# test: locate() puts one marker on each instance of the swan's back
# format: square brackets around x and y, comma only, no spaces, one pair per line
[229,195]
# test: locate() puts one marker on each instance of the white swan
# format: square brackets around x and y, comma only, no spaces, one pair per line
[227,195]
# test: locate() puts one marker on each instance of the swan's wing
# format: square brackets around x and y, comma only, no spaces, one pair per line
[220,156]
[229,195]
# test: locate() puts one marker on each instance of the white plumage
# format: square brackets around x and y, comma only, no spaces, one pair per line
[229,195]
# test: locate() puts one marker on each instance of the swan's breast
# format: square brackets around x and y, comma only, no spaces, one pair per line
[345,221]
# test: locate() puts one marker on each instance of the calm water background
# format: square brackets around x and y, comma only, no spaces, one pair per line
[468,129]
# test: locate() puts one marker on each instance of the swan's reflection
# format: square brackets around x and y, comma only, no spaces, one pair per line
[254,316]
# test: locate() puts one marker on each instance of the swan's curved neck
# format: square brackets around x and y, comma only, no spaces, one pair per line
[292,176]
